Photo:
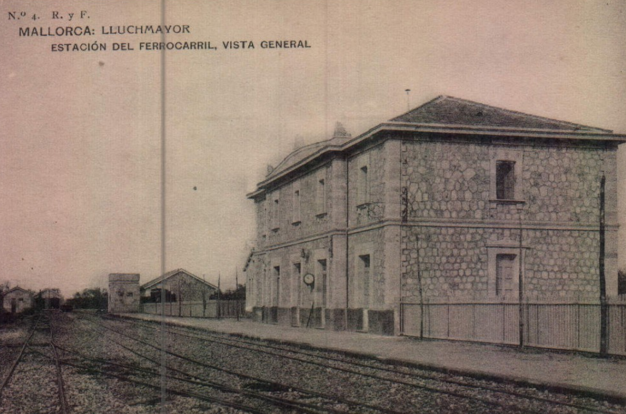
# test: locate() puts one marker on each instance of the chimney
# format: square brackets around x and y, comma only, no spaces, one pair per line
[298,142]
[340,132]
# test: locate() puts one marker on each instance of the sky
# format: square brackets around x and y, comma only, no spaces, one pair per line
[80,132]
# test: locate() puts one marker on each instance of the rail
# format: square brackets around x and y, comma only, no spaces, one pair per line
[567,326]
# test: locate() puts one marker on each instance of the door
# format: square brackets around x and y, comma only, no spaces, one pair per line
[505,275]
[321,287]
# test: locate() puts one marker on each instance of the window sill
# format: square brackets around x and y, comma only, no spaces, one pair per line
[321,215]
[363,206]
[506,201]
[296,223]
[275,229]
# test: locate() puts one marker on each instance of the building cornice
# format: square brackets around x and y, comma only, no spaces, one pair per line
[446,223]
[463,130]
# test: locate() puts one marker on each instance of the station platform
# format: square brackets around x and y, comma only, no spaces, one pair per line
[564,371]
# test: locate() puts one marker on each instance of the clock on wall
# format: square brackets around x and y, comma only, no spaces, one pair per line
[309,279]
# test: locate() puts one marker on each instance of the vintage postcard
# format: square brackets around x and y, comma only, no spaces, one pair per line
[312,206]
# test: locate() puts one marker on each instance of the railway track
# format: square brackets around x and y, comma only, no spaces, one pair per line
[247,384]
[505,396]
[88,363]
[33,356]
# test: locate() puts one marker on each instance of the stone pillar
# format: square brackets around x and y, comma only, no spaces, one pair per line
[391,233]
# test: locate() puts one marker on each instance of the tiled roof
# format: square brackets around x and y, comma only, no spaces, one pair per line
[16,288]
[446,114]
[171,273]
[446,110]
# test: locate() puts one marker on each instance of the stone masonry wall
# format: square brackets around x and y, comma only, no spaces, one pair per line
[448,185]
[313,221]
[374,209]
[454,262]
[369,242]
[261,273]
[451,180]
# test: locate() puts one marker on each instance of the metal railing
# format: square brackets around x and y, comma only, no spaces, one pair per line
[198,309]
[570,326]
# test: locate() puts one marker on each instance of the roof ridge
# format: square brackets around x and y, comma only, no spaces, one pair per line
[511,111]
[171,273]
[425,104]
[16,288]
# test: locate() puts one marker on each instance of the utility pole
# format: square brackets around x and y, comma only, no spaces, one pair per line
[219,279]
[419,287]
[604,314]
[237,294]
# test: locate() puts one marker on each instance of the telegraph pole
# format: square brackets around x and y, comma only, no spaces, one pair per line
[219,279]
[604,314]
[236,293]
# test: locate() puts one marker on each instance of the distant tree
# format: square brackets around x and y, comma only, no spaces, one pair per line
[90,298]
[4,287]
[231,294]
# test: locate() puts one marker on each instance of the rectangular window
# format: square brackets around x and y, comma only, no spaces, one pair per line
[296,207]
[505,180]
[276,286]
[276,213]
[505,275]
[321,196]
[320,282]
[265,219]
[296,281]
[363,195]
[365,278]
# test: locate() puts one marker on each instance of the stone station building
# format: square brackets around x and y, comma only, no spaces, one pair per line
[449,202]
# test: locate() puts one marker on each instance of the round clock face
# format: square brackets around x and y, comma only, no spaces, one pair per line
[309,279]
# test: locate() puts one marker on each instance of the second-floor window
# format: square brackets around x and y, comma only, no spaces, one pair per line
[275,213]
[363,192]
[321,196]
[296,207]
[505,180]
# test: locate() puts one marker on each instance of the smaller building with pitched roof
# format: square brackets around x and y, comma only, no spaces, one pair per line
[179,286]
[49,298]
[17,300]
